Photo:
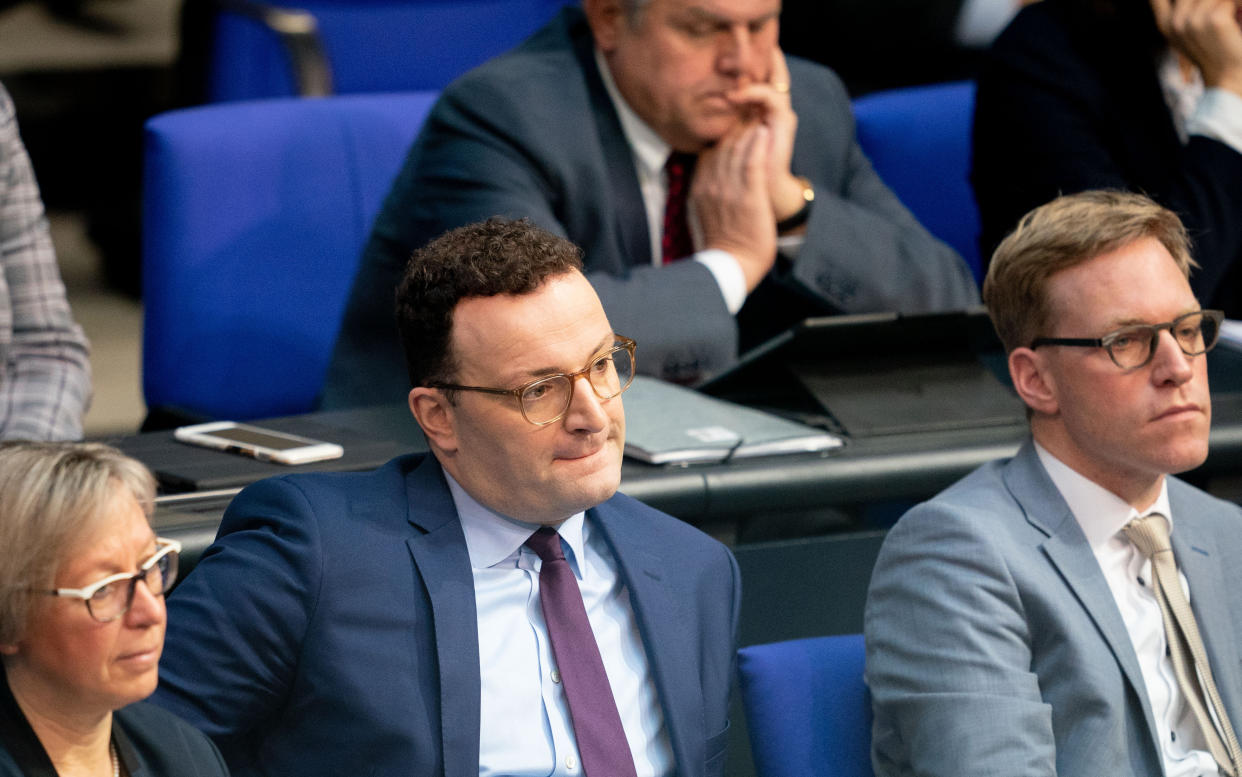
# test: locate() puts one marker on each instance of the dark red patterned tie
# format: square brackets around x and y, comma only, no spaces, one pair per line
[676,242]
[602,745]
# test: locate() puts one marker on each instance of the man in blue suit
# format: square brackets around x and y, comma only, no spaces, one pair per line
[1015,624]
[591,127]
[393,622]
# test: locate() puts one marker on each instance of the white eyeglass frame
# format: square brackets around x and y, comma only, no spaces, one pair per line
[163,546]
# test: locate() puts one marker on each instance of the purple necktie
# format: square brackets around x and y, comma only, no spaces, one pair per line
[597,724]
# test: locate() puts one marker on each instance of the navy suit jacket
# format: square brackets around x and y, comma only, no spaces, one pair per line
[534,134]
[994,644]
[331,628]
[1068,103]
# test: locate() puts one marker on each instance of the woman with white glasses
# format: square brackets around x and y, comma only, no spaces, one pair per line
[82,583]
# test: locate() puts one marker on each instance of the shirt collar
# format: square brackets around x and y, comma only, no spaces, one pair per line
[649,149]
[492,538]
[1100,512]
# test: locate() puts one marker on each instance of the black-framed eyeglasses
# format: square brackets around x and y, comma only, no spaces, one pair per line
[546,400]
[110,598]
[1131,347]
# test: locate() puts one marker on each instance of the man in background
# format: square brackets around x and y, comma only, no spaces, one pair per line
[716,188]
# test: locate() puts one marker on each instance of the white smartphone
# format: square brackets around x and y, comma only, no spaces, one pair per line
[264,444]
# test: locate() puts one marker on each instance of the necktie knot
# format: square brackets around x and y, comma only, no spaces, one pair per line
[678,167]
[1150,534]
[547,544]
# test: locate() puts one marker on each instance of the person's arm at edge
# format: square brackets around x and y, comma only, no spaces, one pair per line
[46,383]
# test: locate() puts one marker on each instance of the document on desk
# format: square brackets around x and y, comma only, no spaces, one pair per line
[670,424]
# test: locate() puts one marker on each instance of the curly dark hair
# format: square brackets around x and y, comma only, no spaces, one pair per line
[497,256]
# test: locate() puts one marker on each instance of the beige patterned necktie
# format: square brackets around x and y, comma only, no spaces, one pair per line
[1150,534]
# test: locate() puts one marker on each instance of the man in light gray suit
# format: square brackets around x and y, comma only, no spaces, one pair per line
[1014,623]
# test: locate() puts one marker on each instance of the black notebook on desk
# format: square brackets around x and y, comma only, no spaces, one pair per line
[881,374]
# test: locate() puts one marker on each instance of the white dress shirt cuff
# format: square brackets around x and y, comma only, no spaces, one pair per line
[1218,116]
[728,274]
[980,21]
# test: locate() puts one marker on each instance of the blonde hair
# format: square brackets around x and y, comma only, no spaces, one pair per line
[1064,233]
[50,493]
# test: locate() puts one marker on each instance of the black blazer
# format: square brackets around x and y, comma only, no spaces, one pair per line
[149,741]
[1064,105]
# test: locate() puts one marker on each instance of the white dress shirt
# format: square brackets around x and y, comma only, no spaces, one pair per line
[650,155]
[1102,515]
[525,726]
[1215,113]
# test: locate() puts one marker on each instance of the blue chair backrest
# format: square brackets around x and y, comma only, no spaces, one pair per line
[373,45]
[807,708]
[918,139]
[254,218]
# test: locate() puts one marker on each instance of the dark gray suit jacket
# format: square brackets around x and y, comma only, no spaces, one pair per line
[994,644]
[533,133]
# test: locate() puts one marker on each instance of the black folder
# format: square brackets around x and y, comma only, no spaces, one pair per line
[881,374]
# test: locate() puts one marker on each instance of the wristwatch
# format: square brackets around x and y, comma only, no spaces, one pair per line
[799,218]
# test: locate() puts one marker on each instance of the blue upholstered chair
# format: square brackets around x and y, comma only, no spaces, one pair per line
[918,139]
[807,708]
[254,218]
[269,48]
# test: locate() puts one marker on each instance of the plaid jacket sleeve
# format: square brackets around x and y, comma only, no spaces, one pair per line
[45,384]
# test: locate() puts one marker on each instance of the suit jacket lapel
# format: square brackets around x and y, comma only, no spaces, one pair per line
[662,622]
[441,561]
[1069,552]
[628,208]
[1199,558]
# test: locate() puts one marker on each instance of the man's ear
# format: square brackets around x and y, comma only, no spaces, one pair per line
[1033,380]
[605,18]
[436,416]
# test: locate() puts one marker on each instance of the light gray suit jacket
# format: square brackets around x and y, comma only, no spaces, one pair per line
[994,646]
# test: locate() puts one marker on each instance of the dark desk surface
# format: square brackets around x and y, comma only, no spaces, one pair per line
[784,582]
[894,468]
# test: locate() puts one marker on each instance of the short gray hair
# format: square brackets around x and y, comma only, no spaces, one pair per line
[50,493]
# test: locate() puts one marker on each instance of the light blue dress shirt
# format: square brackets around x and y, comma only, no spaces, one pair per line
[525,727]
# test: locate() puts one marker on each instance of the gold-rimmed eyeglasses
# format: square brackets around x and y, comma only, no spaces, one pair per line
[545,400]
[1131,347]
[110,598]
